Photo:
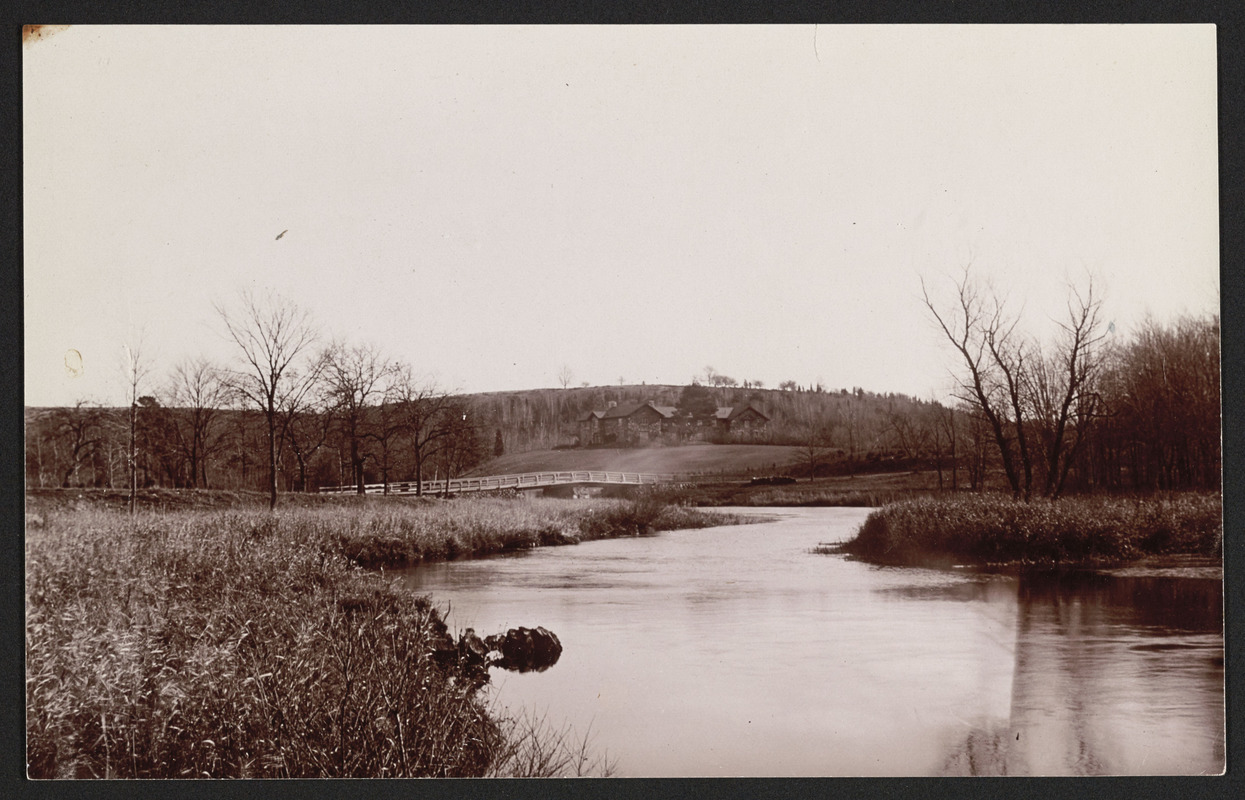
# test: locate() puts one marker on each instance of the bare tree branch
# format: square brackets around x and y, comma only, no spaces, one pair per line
[273,336]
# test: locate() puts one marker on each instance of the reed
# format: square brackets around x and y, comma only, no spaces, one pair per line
[828,497]
[243,643]
[396,534]
[536,748]
[995,529]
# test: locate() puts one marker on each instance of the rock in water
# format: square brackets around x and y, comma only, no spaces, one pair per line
[526,649]
[471,648]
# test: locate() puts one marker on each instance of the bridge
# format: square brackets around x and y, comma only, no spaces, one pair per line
[526,481]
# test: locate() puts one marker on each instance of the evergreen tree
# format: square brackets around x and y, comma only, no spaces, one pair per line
[696,402]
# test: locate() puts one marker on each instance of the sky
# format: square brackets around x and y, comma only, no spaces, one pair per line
[493,204]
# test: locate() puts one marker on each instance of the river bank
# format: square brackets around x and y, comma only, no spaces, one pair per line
[733,652]
[995,530]
[241,643]
[838,491]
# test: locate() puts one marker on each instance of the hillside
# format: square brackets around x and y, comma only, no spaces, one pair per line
[535,430]
[542,419]
[730,459]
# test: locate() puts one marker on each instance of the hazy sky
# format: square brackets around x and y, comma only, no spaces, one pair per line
[492,203]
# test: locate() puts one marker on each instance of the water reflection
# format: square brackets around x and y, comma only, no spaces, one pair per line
[734,651]
[1114,675]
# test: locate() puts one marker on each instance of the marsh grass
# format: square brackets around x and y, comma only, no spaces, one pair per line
[535,748]
[832,497]
[865,490]
[395,535]
[994,529]
[242,643]
[219,644]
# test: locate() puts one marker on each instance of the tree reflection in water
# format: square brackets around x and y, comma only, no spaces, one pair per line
[1114,675]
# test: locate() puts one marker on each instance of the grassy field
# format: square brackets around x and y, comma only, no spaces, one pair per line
[732,465]
[41,501]
[995,529]
[707,459]
[859,490]
[233,642]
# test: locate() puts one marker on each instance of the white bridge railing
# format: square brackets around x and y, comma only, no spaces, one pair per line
[526,480]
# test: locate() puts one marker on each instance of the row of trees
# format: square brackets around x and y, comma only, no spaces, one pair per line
[209,426]
[323,413]
[1082,409]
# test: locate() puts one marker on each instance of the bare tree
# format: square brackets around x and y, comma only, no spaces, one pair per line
[815,443]
[136,369]
[977,330]
[304,399]
[424,409]
[197,392]
[355,378]
[161,458]
[945,433]
[386,429]
[305,426]
[79,430]
[565,375]
[1021,391]
[275,336]
[909,431]
[978,437]
[849,421]
[1062,388]
[1012,362]
[1162,424]
[459,448]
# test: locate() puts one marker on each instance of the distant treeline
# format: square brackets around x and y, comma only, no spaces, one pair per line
[225,448]
[420,437]
[1153,424]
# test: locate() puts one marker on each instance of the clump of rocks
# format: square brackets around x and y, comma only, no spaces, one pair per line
[518,649]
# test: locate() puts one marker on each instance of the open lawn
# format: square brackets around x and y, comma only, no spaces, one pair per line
[872,489]
[706,459]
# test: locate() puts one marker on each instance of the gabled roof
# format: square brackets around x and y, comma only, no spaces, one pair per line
[734,412]
[621,412]
[590,415]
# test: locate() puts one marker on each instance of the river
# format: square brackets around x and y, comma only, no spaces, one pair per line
[735,651]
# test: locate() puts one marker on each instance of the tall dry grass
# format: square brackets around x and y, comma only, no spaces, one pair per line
[223,644]
[827,497]
[395,534]
[993,528]
[243,643]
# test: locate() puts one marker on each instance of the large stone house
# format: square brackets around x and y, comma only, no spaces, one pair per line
[741,424]
[627,424]
[644,423]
